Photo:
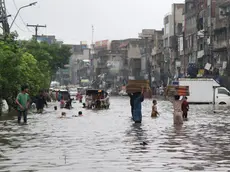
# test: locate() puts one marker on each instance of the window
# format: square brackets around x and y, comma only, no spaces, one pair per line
[223,91]
[201,46]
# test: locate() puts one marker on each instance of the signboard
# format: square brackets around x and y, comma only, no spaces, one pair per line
[176,83]
[85,81]
[65,71]
[131,77]
[102,44]
[208,66]
[83,42]
[181,43]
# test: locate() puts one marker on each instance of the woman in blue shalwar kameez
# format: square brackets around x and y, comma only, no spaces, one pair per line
[137,113]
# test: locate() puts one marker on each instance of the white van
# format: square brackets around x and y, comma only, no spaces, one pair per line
[205,91]
[221,96]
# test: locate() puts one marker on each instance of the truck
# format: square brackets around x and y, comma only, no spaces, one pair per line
[206,91]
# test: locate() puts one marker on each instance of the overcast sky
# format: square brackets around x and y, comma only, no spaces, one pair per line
[71,20]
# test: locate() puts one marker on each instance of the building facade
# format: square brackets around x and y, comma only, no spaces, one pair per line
[173,28]
[77,64]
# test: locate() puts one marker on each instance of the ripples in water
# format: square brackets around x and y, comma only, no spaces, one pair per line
[109,141]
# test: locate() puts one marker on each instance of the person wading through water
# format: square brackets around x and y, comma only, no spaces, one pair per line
[137,109]
[23,103]
[185,108]
[41,102]
[177,114]
[131,103]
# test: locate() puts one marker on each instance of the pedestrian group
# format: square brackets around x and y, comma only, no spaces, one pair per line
[181,107]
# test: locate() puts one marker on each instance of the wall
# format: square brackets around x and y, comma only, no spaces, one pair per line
[85,55]
[177,16]
[168,26]
[134,51]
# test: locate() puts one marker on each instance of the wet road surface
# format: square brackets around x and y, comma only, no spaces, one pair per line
[103,141]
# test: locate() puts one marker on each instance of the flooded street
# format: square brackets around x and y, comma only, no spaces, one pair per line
[103,141]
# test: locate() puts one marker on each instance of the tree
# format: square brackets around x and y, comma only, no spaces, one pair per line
[28,62]
[56,55]
[9,70]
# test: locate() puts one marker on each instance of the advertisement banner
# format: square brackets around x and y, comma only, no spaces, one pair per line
[97,44]
[105,43]
[102,44]
[83,42]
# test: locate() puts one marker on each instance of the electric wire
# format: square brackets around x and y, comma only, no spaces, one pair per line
[16,23]
[21,17]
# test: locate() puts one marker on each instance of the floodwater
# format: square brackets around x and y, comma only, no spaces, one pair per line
[107,140]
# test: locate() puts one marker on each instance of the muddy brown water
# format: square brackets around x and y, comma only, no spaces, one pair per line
[107,140]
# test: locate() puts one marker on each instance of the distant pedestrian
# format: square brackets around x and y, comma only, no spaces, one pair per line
[23,102]
[185,108]
[41,102]
[59,96]
[154,109]
[62,102]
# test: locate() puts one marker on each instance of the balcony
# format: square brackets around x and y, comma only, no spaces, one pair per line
[102,65]
[220,44]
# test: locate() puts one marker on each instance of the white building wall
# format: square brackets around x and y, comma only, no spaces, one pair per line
[134,52]
[73,63]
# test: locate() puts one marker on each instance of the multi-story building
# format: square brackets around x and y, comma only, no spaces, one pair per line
[80,54]
[50,39]
[173,27]
[118,62]
[135,48]
[191,15]
[102,51]
[158,63]
[220,43]
[198,42]
[147,36]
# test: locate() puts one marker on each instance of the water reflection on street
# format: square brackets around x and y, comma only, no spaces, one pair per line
[103,141]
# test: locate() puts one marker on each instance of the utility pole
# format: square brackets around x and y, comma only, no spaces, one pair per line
[3,18]
[92,34]
[228,45]
[184,53]
[91,56]
[36,29]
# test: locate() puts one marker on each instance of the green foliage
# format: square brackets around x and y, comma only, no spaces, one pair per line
[28,62]
[9,68]
[56,55]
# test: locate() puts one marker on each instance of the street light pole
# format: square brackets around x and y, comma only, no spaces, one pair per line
[31,4]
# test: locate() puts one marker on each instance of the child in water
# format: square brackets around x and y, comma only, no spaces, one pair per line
[185,108]
[80,113]
[63,115]
[155,113]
